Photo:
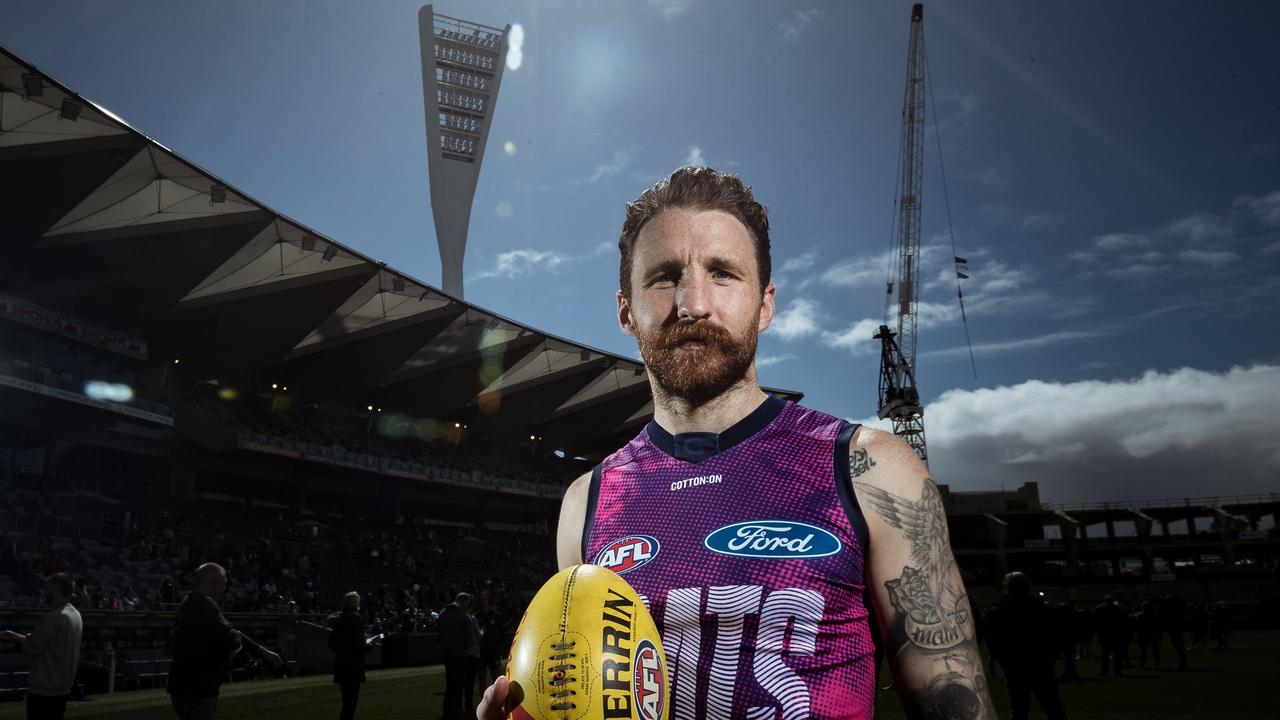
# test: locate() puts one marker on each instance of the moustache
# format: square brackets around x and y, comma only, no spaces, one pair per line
[697,332]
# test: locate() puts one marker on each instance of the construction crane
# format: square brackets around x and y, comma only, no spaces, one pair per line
[899,397]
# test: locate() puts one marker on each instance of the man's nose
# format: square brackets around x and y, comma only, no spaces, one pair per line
[693,299]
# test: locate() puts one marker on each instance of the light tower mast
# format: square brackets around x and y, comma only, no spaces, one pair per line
[899,398]
[462,66]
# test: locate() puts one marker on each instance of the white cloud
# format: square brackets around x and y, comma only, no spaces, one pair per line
[1265,208]
[800,262]
[515,263]
[856,272]
[1212,259]
[966,105]
[797,321]
[791,31]
[670,9]
[1121,241]
[1189,245]
[990,177]
[604,247]
[763,361]
[856,338]
[694,157]
[620,161]
[1198,228]
[1001,347]
[1182,433]
[1042,221]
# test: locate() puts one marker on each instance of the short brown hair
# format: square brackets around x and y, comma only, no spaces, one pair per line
[698,188]
[62,581]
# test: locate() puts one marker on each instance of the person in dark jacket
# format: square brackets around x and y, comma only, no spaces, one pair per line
[492,641]
[1112,623]
[348,643]
[1022,634]
[203,645]
[460,643]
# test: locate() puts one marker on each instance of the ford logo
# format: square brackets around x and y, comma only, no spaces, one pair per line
[777,539]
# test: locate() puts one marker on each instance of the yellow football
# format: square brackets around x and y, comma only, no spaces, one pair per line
[587,649]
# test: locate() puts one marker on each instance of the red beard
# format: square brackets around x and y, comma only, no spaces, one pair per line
[697,375]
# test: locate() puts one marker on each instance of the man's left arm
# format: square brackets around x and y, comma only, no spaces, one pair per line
[915,587]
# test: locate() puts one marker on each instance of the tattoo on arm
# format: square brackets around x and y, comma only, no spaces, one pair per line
[932,624]
[860,462]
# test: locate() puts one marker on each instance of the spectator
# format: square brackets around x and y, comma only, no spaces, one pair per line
[349,647]
[54,646]
[1022,634]
[1148,628]
[459,636]
[1219,629]
[492,640]
[80,597]
[113,601]
[1112,624]
[1172,612]
[167,592]
[203,645]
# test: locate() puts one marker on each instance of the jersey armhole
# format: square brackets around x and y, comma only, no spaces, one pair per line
[852,510]
[844,488]
[589,517]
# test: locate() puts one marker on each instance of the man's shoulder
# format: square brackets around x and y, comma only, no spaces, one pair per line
[70,614]
[882,459]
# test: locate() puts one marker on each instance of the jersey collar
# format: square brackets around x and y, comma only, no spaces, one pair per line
[698,446]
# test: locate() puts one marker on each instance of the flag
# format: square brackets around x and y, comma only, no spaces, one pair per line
[962,268]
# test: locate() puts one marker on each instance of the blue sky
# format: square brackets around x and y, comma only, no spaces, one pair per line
[1113,168]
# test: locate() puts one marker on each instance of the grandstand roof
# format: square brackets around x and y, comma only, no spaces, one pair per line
[106,223]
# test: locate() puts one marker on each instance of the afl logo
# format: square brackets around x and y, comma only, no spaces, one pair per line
[628,553]
[649,682]
[774,539]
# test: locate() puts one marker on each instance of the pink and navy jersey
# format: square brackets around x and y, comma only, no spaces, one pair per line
[749,548]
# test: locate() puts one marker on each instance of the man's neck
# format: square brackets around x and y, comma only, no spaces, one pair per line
[677,415]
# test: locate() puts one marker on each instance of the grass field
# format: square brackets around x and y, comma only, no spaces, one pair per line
[1239,683]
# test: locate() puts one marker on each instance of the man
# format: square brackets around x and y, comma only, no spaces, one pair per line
[349,645]
[54,647]
[203,645]
[1112,624]
[492,639]
[1021,632]
[756,515]
[460,643]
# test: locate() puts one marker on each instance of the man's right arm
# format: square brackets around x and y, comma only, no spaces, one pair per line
[573,514]
[38,640]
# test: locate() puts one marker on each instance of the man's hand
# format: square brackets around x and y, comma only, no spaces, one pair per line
[499,700]
[273,659]
[12,636]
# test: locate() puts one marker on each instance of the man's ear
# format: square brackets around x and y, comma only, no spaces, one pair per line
[767,307]
[625,321]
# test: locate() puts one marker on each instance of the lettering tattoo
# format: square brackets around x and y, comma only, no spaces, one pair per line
[860,462]
[932,627]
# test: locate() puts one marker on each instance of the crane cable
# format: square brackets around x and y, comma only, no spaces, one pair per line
[947,199]
[892,270]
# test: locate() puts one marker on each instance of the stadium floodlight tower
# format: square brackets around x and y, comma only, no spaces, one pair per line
[462,66]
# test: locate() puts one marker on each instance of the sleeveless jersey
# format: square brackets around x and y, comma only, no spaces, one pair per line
[748,548]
